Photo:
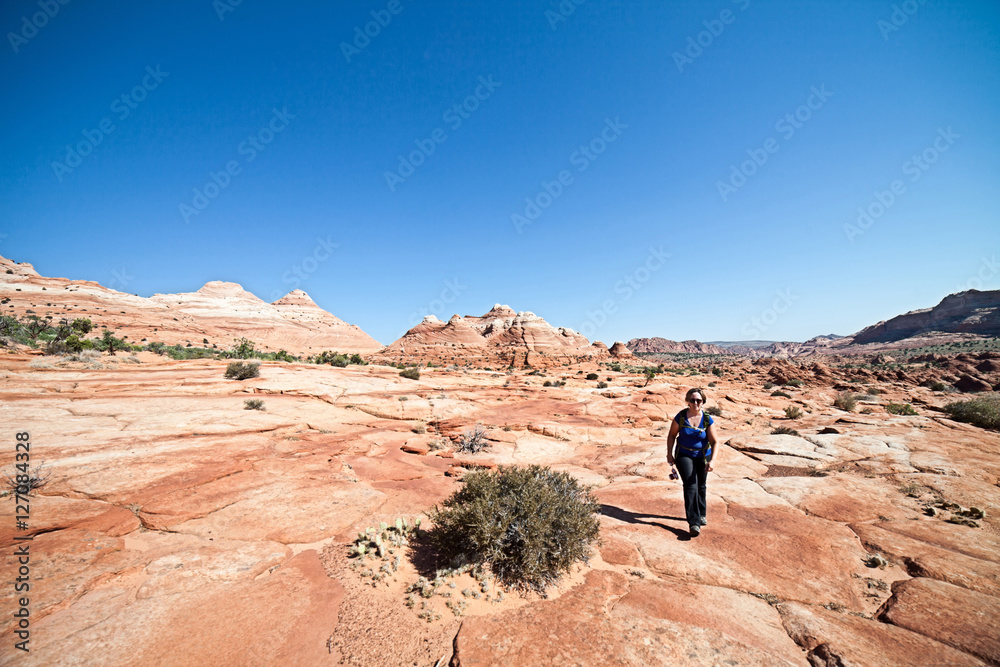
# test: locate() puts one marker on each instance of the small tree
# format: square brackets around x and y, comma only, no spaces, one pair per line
[650,373]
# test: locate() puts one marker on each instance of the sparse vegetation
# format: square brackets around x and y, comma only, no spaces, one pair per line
[473,440]
[714,410]
[904,409]
[602,385]
[983,411]
[241,370]
[793,412]
[25,480]
[794,383]
[410,373]
[253,404]
[529,525]
[592,376]
[782,394]
[846,401]
[939,386]
[784,430]
[768,385]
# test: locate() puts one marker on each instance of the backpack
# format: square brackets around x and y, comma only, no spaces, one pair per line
[682,423]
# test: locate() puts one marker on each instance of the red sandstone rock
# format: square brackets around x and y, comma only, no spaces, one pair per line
[955,616]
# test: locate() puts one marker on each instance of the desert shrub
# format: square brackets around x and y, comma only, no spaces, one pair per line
[768,385]
[157,347]
[23,480]
[473,440]
[782,394]
[784,430]
[875,391]
[616,367]
[717,371]
[793,412]
[983,412]
[846,401]
[602,385]
[243,349]
[529,525]
[253,404]
[359,361]
[794,383]
[410,373]
[240,370]
[547,383]
[900,409]
[714,410]
[591,376]
[939,386]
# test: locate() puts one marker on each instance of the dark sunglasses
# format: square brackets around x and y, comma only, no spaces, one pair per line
[696,400]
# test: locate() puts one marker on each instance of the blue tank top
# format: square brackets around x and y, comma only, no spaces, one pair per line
[693,440]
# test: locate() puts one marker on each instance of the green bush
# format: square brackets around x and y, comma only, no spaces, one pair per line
[243,349]
[983,412]
[846,401]
[778,392]
[240,370]
[784,430]
[900,409]
[717,371]
[591,376]
[602,385]
[410,373]
[794,383]
[253,404]
[939,386]
[793,412]
[768,385]
[529,525]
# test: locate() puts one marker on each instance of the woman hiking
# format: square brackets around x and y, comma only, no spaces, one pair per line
[695,436]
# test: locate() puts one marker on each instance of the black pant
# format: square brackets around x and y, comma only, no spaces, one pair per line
[694,473]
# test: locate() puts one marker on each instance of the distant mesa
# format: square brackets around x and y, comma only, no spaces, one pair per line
[662,345]
[219,312]
[501,336]
[620,351]
[969,312]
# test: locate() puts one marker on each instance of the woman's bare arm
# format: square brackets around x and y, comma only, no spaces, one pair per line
[671,437]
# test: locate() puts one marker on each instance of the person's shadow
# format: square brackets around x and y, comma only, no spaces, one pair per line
[633,517]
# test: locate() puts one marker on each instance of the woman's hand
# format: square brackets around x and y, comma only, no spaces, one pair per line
[670,459]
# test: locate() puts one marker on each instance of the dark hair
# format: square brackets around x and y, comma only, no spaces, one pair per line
[696,390]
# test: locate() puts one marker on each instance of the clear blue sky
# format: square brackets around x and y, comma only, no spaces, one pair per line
[666,99]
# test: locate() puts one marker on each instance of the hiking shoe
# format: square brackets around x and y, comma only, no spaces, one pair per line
[702,521]
[695,530]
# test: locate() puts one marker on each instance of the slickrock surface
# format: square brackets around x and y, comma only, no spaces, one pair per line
[219,312]
[501,337]
[180,528]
